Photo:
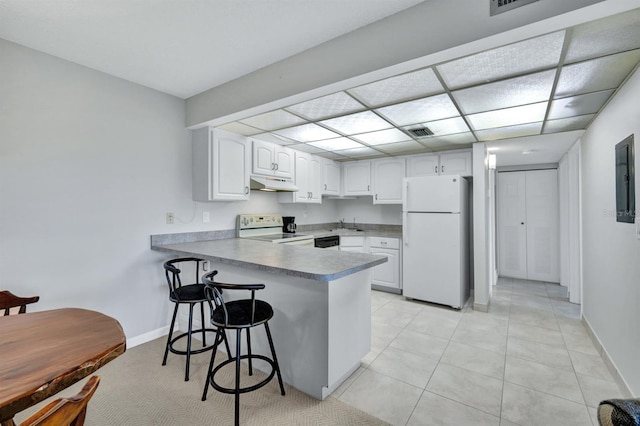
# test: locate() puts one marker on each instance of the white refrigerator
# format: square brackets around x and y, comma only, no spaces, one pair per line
[435,228]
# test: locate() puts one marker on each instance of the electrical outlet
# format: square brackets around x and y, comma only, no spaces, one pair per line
[205,265]
[169,218]
[205,217]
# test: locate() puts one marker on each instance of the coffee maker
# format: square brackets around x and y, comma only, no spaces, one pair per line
[288,224]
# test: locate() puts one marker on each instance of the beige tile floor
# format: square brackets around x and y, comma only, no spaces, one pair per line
[529,361]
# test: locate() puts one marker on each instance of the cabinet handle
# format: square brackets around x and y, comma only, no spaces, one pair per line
[442,169]
[368,189]
[436,170]
[376,196]
[325,186]
[246,190]
[277,166]
[273,166]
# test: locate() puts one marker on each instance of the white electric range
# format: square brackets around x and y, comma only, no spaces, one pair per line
[268,227]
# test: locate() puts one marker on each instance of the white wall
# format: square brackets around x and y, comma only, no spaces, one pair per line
[89,165]
[364,211]
[611,251]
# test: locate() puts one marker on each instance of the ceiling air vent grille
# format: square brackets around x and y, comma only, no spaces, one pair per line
[420,132]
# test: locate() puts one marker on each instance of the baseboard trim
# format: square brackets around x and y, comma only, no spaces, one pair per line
[147,337]
[611,366]
[481,307]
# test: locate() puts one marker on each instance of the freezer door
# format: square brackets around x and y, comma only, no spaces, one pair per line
[432,258]
[433,194]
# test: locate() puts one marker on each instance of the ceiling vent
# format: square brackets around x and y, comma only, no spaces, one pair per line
[420,132]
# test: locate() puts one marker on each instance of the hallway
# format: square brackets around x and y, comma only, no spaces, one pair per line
[529,361]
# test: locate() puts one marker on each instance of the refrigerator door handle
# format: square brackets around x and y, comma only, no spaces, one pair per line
[404,228]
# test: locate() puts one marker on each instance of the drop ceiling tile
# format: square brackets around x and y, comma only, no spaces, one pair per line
[459,138]
[605,36]
[525,56]
[443,127]
[509,116]
[359,152]
[420,110]
[332,156]
[597,74]
[568,124]
[336,144]
[509,132]
[361,122]
[239,128]
[578,105]
[523,90]
[270,137]
[382,137]
[327,106]
[273,120]
[307,133]
[304,147]
[402,147]
[399,88]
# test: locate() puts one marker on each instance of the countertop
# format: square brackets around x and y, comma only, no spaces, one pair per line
[305,262]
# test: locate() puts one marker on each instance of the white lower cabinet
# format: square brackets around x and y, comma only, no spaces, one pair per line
[356,244]
[387,275]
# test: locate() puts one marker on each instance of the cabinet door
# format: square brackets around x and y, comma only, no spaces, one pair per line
[303,168]
[423,165]
[456,163]
[512,232]
[263,158]
[284,160]
[387,177]
[330,177]
[542,225]
[221,163]
[357,178]
[387,274]
[315,179]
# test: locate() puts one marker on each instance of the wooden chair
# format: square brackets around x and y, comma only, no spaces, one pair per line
[9,300]
[65,411]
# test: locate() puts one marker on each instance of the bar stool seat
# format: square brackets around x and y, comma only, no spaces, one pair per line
[190,294]
[238,315]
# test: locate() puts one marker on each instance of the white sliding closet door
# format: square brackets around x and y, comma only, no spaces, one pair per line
[512,233]
[528,225]
[543,216]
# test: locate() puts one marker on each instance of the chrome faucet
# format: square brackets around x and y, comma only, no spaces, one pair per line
[354,223]
[342,223]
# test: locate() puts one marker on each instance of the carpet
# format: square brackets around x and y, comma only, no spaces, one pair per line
[136,390]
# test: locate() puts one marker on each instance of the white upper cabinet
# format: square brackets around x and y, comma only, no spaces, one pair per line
[387,174]
[270,159]
[308,178]
[423,165]
[444,163]
[456,163]
[330,177]
[221,165]
[356,178]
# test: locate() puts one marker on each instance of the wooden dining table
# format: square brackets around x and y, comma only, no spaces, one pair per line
[42,353]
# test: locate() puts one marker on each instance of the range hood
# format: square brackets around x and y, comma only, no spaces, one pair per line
[264,183]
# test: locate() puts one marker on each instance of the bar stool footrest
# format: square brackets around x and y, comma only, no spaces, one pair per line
[222,389]
[195,351]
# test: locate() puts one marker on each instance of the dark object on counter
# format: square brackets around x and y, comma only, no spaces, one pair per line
[619,412]
[327,242]
[238,315]
[288,224]
[9,300]
[191,294]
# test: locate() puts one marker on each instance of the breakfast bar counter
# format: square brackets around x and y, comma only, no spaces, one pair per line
[321,298]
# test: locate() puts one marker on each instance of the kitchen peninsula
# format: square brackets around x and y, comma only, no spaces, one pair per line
[321,298]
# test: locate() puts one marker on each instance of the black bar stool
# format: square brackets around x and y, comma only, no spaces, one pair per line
[191,294]
[238,315]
